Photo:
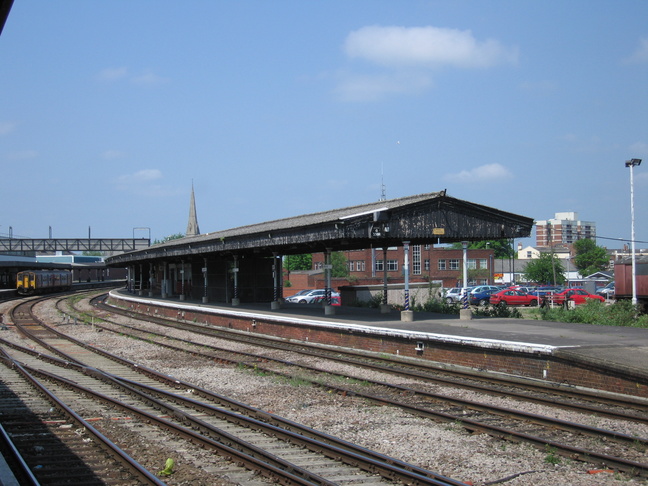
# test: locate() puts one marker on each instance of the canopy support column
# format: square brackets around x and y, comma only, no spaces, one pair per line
[406,315]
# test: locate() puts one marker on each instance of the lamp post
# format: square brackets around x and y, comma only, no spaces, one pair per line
[632,163]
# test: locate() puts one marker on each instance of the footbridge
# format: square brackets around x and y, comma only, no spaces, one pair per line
[12,245]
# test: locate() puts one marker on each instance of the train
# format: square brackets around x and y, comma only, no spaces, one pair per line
[623,280]
[30,282]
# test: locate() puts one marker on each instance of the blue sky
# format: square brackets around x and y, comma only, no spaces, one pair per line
[110,110]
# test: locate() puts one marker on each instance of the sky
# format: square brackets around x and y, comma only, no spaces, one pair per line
[111,111]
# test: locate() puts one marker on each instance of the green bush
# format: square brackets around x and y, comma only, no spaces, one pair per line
[498,311]
[437,306]
[621,313]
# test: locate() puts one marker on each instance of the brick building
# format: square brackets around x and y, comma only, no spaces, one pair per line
[427,263]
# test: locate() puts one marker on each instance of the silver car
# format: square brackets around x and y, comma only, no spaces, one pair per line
[309,296]
[455,294]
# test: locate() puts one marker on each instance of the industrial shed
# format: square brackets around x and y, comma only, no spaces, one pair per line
[244,264]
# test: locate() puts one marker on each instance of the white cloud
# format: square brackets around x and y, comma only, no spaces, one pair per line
[640,55]
[112,74]
[427,47]
[483,173]
[23,155]
[149,78]
[7,127]
[111,154]
[356,87]
[142,184]
[140,176]
[122,73]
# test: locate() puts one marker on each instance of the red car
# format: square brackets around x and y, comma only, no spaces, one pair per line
[335,299]
[578,296]
[513,297]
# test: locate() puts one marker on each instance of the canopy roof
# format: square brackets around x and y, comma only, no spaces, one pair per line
[420,219]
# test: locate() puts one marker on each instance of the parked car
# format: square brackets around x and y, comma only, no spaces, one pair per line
[305,296]
[455,294]
[295,297]
[607,291]
[480,295]
[513,297]
[335,299]
[578,296]
[309,296]
[546,290]
[525,289]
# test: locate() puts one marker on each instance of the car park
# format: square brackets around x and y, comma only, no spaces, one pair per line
[607,291]
[525,289]
[452,295]
[480,295]
[513,297]
[546,290]
[577,296]
[455,294]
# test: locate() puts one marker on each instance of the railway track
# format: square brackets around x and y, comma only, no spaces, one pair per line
[51,444]
[279,450]
[624,452]
[556,395]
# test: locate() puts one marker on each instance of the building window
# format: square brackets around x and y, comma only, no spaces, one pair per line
[427,264]
[426,247]
[379,266]
[472,264]
[360,266]
[442,265]
[482,263]
[392,265]
[319,265]
[416,259]
[454,264]
[529,254]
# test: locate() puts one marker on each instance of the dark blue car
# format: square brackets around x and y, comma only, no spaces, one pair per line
[481,295]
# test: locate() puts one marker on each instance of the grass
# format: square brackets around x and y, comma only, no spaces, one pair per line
[621,313]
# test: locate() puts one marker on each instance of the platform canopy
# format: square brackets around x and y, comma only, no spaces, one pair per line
[422,219]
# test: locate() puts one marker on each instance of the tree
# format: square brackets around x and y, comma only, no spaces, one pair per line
[177,236]
[544,270]
[590,258]
[502,248]
[339,263]
[298,262]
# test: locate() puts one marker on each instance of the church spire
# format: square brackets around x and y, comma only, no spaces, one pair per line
[192,225]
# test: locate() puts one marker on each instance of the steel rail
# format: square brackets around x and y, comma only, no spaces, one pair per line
[535,418]
[227,443]
[136,469]
[361,357]
[569,451]
[387,466]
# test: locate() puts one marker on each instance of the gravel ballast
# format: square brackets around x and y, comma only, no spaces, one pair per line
[447,449]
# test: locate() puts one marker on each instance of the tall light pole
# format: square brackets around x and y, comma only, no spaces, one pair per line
[632,163]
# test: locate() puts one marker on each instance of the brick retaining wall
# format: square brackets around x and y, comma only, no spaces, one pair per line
[536,366]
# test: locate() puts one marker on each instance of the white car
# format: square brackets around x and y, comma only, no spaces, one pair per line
[307,297]
[455,294]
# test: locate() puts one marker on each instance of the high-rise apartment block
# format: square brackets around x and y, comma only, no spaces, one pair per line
[565,229]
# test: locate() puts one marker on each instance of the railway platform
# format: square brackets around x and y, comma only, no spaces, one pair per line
[601,357]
